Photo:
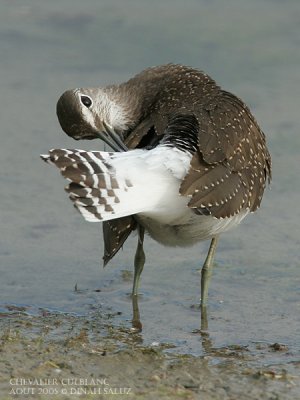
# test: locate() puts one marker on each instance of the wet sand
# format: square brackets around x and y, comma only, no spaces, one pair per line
[63,356]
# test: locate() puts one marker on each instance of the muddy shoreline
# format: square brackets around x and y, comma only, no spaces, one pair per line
[63,356]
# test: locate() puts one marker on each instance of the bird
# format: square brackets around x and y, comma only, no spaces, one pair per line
[188,161]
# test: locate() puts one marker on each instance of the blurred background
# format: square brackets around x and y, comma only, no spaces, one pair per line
[46,248]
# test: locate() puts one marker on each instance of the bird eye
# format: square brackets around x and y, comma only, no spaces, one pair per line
[86,101]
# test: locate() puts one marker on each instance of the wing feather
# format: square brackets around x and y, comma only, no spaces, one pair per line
[229,171]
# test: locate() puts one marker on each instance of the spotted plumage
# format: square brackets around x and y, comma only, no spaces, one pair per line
[197,161]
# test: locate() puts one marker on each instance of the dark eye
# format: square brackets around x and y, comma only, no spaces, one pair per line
[86,101]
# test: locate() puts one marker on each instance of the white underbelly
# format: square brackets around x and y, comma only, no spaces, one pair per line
[189,229]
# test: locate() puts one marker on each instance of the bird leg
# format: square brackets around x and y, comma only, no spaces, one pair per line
[205,279]
[139,261]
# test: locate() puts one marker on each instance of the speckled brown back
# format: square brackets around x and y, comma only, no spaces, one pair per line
[230,170]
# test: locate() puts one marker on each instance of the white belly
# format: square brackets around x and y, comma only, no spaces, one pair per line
[189,230]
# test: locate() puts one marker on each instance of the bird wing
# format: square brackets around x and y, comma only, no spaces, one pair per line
[228,173]
[115,233]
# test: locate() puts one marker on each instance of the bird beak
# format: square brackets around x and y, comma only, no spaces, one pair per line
[110,137]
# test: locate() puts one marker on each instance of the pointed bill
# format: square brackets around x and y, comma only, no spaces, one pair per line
[110,137]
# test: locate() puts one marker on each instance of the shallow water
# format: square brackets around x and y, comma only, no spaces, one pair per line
[46,248]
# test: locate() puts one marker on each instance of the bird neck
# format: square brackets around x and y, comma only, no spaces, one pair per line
[136,98]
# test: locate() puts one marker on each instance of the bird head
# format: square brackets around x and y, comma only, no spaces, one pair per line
[91,114]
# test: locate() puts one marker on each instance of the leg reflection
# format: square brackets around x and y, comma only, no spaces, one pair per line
[136,321]
[204,323]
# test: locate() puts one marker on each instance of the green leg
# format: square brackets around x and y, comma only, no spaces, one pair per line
[205,279]
[139,261]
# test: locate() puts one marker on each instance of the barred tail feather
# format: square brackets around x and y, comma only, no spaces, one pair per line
[100,183]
